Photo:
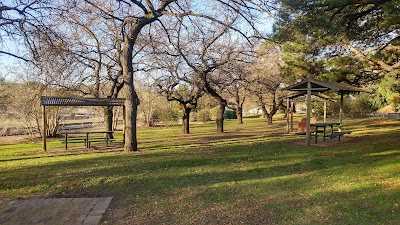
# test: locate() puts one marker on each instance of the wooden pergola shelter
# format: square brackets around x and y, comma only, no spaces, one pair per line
[74,101]
[290,108]
[315,87]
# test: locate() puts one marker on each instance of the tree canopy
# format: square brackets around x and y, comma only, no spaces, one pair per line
[368,31]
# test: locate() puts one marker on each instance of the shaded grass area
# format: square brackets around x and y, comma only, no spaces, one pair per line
[252,174]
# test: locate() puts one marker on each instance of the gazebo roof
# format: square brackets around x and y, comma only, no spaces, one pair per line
[72,101]
[323,86]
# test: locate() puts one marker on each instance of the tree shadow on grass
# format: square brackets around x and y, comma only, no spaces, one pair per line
[192,142]
[386,126]
[176,169]
[351,205]
[196,140]
[58,152]
[167,170]
[284,182]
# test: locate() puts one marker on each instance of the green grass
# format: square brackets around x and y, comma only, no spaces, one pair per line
[252,174]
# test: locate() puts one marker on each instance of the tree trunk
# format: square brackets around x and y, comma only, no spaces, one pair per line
[269,118]
[220,117]
[108,120]
[274,108]
[239,115]
[222,104]
[239,108]
[263,110]
[132,99]
[131,114]
[185,120]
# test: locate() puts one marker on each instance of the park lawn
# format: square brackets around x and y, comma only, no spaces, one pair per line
[252,174]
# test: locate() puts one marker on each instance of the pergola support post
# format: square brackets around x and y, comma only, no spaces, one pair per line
[325,111]
[44,128]
[287,115]
[341,111]
[291,115]
[308,133]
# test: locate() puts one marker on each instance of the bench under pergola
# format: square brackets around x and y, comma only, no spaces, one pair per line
[315,87]
[46,101]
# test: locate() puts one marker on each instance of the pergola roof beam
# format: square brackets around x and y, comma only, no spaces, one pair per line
[75,101]
[321,95]
[317,85]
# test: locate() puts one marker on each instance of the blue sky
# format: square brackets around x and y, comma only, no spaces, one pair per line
[10,66]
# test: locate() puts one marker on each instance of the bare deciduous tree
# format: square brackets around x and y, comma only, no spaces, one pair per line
[237,72]
[133,19]
[206,53]
[20,21]
[186,95]
[136,15]
[176,81]
[265,80]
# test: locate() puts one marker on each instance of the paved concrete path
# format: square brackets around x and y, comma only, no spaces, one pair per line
[87,211]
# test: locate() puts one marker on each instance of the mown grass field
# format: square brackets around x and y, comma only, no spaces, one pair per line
[252,174]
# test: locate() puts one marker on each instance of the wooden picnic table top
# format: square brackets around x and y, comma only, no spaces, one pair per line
[324,124]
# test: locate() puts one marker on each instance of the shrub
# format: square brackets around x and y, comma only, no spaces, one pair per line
[204,115]
[230,114]
[168,116]
[356,107]
[360,106]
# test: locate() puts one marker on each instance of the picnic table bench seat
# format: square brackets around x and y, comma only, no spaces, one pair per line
[86,141]
[86,138]
[338,134]
[74,140]
[106,140]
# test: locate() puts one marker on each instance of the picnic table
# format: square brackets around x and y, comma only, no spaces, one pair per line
[324,126]
[85,138]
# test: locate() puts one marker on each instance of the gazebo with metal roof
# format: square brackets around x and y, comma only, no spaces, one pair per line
[310,87]
[75,101]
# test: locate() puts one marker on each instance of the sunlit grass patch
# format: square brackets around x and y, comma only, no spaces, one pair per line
[251,174]
[385,153]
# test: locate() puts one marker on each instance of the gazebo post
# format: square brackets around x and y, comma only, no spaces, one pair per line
[291,115]
[44,128]
[287,115]
[308,134]
[325,111]
[341,111]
